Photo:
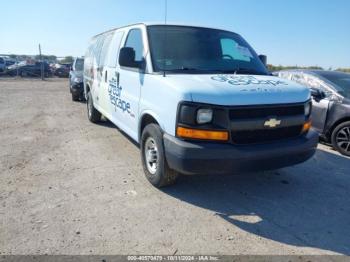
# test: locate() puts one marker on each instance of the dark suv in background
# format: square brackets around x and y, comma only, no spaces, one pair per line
[330,92]
[76,86]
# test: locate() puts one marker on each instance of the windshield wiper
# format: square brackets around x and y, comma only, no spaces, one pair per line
[229,71]
[242,71]
[185,70]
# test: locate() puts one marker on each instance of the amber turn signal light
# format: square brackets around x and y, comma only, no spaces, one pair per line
[306,126]
[202,134]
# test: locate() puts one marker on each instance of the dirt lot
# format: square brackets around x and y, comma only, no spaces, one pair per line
[72,187]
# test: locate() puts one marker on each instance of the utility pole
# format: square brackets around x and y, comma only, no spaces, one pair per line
[41,64]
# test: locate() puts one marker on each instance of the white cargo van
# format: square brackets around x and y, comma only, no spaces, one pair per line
[197,100]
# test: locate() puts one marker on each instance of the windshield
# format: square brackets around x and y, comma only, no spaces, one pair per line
[340,81]
[201,50]
[79,64]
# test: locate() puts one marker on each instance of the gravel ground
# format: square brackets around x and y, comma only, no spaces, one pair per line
[72,187]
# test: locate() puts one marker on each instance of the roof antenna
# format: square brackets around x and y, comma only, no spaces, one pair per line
[165,40]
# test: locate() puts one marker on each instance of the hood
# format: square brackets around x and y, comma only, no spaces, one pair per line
[239,89]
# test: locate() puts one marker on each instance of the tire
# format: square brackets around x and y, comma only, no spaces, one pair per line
[82,98]
[75,98]
[341,138]
[153,159]
[93,115]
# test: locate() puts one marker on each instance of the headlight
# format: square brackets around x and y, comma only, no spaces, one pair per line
[204,116]
[78,79]
[191,117]
[307,109]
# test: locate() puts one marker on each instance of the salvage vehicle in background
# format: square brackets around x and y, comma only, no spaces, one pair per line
[62,70]
[76,86]
[9,61]
[331,104]
[5,62]
[2,65]
[24,69]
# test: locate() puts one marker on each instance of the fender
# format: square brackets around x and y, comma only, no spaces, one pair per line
[152,114]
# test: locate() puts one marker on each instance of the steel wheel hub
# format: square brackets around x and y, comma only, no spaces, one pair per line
[151,155]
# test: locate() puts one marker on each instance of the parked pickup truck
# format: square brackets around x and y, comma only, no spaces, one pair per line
[198,101]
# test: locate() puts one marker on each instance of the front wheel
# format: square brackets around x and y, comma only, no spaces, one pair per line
[75,97]
[341,138]
[93,115]
[156,169]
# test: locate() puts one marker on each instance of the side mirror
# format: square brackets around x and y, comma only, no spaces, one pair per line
[317,94]
[127,58]
[263,59]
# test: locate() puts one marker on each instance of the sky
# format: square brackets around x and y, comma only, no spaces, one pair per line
[289,32]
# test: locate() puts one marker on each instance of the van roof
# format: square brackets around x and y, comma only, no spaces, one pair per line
[158,23]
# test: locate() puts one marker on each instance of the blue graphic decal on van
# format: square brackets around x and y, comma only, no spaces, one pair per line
[115,91]
[246,80]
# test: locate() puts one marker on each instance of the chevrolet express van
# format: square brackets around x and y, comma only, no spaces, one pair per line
[197,100]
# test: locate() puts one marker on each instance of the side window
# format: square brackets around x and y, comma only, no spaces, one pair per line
[89,57]
[297,77]
[114,49]
[316,83]
[98,48]
[134,40]
[286,75]
[104,50]
[311,82]
[232,49]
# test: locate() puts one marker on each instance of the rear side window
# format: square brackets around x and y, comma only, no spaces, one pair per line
[104,50]
[134,40]
[1,60]
[98,48]
[114,49]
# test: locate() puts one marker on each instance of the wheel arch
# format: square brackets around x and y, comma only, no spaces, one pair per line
[86,89]
[335,124]
[146,118]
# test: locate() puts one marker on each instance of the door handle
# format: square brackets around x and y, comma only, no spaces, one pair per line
[106,76]
[100,70]
[118,76]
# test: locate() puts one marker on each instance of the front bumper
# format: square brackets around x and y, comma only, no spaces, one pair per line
[77,89]
[217,158]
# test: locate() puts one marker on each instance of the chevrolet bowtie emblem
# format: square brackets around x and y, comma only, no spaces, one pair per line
[273,122]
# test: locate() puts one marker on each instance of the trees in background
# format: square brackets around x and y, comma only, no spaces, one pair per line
[48,58]
[67,60]
[345,70]
[280,67]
